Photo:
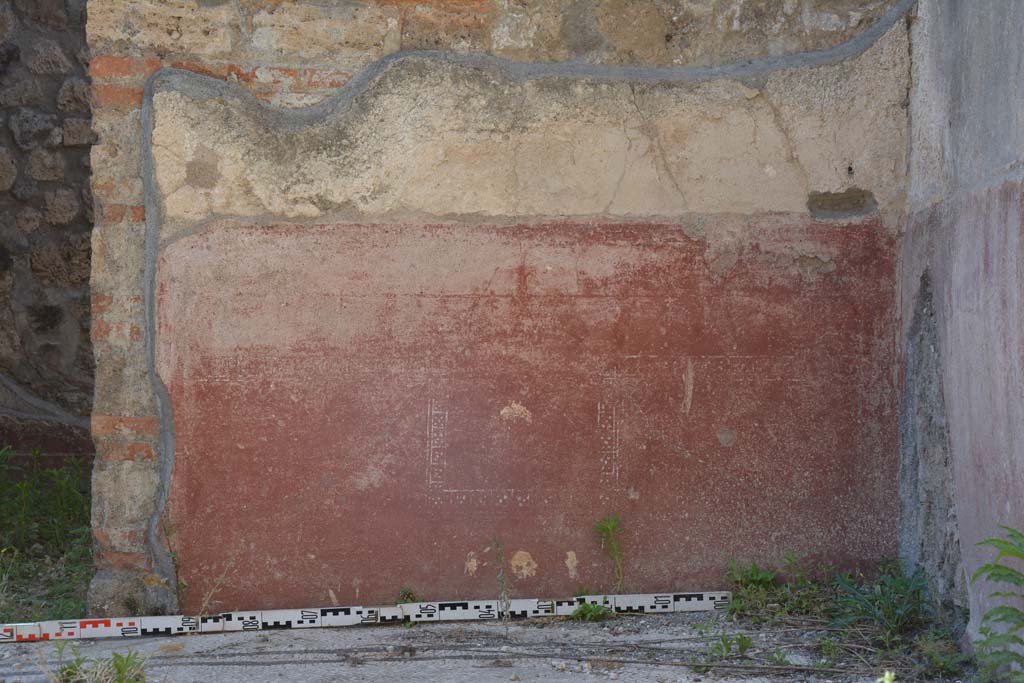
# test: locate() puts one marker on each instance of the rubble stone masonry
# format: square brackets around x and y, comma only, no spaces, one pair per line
[46,214]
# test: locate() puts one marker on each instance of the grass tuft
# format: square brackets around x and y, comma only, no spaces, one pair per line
[590,612]
[45,543]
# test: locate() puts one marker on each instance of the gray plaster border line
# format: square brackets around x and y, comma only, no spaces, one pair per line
[206,87]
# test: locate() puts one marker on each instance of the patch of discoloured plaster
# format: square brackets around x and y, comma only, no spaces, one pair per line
[522,564]
[516,412]
[726,436]
[472,563]
[572,564]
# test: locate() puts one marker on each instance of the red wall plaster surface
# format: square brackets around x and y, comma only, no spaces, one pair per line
[359,408]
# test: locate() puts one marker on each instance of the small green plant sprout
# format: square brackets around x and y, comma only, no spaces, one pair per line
[887,677]
[779,658]
[407,595]
[743,643]
[609,530]
[589,612]
[750,576]
[940,657]
[721,648]
[118,668]
[999,650]
[894,605]
[504,597]
[829,649]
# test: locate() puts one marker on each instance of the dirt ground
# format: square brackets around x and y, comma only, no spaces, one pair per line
[635,648]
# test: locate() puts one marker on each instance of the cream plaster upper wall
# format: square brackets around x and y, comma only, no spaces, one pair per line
[439,138]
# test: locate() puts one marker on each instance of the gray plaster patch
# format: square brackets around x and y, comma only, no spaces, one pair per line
[847,204]
[202,169]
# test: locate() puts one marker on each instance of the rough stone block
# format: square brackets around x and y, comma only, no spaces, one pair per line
[349,35]
[45,56]
[177,27]
[73,96]
[28,220]
[32,128]
[62,205]
[22,92]
[77,133]
[8,169]
[45,165]
[52,13]
[64,263]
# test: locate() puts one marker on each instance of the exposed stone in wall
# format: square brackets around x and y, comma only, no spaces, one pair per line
[476,144]
[929,536]
[45,218]
[350,35]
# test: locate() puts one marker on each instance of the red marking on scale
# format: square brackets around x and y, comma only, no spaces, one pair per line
[120,623]
[93,623]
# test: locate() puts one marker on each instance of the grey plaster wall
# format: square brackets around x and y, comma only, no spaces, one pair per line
[965,237]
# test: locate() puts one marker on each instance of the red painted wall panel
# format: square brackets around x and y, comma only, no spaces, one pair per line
[359,408]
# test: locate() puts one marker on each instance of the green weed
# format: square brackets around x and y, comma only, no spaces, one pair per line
[999,648]
[118,668]
[883,619]
[609,530]
[590,612]
[939,655]
[893,605]
[750,576]
[721,648]
[765,596]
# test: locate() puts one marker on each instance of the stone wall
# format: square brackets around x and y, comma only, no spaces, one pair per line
[46,215]
[260,297]
[962,284]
